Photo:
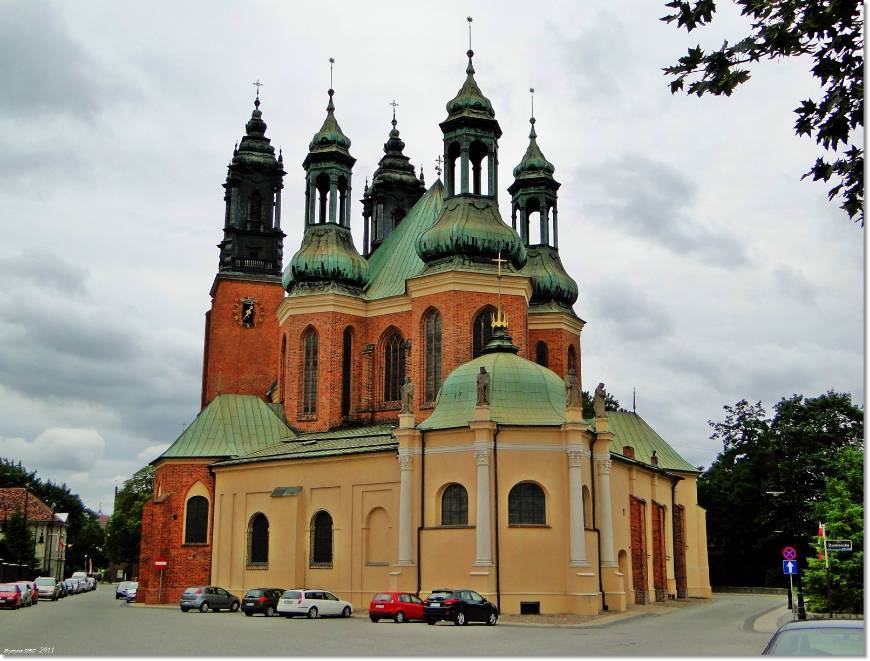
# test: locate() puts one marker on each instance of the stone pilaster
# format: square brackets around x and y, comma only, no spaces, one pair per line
[577,527]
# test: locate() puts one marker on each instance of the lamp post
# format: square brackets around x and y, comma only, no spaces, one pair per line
[21,552]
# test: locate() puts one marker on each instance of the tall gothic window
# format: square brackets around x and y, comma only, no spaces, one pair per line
[321,540]
[526,505]
[196,521]
[309,372]
[394,367]
[432,332]
[454,506]
[482,331]
[572,358]
[541,353]
[346,353]
[255,212]
[258,539]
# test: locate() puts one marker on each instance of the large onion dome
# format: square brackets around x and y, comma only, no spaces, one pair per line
[550,281]
[327,255]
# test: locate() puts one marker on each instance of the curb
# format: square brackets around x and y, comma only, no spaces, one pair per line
[749,622]
[589,625]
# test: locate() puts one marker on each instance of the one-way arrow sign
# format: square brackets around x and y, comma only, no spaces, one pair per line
[789,567]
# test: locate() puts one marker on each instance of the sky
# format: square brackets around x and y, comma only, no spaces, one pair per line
[708,271]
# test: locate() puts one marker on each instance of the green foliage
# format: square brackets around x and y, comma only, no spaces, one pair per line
[841,509]
[123,532]
[18,541]
[832,33]
[84,535]
[796,451]
[610,404]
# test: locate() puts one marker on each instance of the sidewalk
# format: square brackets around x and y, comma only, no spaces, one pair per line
[571,621]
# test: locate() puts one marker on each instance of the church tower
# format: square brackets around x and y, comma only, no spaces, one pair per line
[554,328]
[240,328]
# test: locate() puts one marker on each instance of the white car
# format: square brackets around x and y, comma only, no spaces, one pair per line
[312,603]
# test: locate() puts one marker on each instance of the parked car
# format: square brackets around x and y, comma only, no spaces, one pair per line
[92,583]
[313,603]
[131,593]
[818,638]
[398,606]
[10,596]
[262,600]
[26,593]
[208,597]
[70,586]
[48,588]
[34,591]
[123,586]
[459,606]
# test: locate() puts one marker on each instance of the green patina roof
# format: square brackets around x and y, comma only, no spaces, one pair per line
[396,260]
[630,429]
[394,167]
[254,149]
[355,440]
[330,136]
[230,425]
[534,163]
[550,281]
[327,254]
[469,100]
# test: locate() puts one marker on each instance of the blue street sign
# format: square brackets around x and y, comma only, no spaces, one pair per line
[789,567]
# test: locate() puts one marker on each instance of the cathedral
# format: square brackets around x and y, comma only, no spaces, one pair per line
[408,417]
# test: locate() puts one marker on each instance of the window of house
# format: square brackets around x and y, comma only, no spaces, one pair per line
[526,505]
[481,331]
[541,353]
[258,540]
[572,359]
[394,367]
[196,521]
[432,332]
[309,372]
[454,506]
[321,540]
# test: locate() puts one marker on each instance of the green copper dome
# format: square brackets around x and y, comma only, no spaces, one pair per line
[330,136]
[533,164]
[327,255]
[254,149]
[550,281]
[470,101]
[521,392]
[394,167]
[471,226]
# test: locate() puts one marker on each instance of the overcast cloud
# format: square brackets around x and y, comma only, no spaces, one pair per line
[708,271]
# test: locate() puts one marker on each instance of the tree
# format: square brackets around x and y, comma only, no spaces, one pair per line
[796,451]
[610,404]
[18,541]
[832,33]
[123,532]
[841,509]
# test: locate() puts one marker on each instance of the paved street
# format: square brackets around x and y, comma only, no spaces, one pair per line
[94,623]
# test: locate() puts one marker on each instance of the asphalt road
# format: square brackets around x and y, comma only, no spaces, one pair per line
[95,623]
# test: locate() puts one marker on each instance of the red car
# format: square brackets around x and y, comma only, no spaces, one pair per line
[10,596]
[397,606]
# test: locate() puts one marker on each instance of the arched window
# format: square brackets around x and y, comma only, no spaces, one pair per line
[454,506]
[196,521]
[452,154]
[394,367]
[572,358]
[432,368]
[309,372]
[322,184]
[255,210]
[477,155]
[258,540]
[321,539]
[526,505]
[377,537]
[587,507]
[346,353]
[481,331]
[541,353]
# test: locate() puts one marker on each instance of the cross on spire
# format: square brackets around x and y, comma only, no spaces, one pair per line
[438,162]
[258,85]
[500,318]
[470,20]
[395,105]
[532,92]
[331,62]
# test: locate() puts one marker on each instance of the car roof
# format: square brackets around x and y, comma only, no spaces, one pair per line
[822,624]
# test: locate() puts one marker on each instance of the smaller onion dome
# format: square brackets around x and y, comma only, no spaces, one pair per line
[330,135]
[254,149]
[471,226]
[470,100]
[533,163]
[550,281]
[327,254]
[394,167]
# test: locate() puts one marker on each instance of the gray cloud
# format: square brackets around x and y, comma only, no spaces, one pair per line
[632,312]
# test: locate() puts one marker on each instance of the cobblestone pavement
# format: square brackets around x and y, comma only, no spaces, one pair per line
[96,624]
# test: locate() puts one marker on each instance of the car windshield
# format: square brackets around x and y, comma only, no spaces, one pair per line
[45,581]
[383,596]
[193,590]
[8,587]
[440,595]
[827,641]
[254,593]
[291,594]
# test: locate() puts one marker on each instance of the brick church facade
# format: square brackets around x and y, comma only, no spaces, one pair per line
[343,442]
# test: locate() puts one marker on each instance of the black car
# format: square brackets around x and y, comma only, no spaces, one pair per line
[818,638]
[262,600]
[459,606]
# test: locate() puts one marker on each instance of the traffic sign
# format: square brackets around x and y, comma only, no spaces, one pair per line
[789,567]
[161,564]
[839,544]
[789,553]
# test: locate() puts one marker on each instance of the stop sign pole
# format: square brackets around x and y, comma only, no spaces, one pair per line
[160,564]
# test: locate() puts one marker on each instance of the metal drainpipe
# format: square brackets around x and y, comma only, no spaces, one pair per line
[422,507]
[598,541]
[495,486]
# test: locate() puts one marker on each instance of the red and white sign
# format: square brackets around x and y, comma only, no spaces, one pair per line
[161,564]
[789,553]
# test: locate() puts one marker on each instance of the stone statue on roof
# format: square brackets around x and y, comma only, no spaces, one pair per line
[483,382]
[598,401]
[407,395]
[572,390]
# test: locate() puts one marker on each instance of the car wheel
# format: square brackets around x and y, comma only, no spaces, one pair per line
[249,614]
[288,616]
[460,619]
[234,606]
[428,621]
[312,613]
[345,612]
[203,608]
[374,619]
[184,609]
[270,611]
[400,617]
[492,619]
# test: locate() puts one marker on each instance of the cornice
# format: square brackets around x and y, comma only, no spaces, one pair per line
[436,283]
[555,321]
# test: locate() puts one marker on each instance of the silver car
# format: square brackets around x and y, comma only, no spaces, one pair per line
[26,592]
[48,588]
[208,597]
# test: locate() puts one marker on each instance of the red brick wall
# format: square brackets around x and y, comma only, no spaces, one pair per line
[237,359]
[658,547]
[162,535]
[557,341]
[680,552]
[638,550]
